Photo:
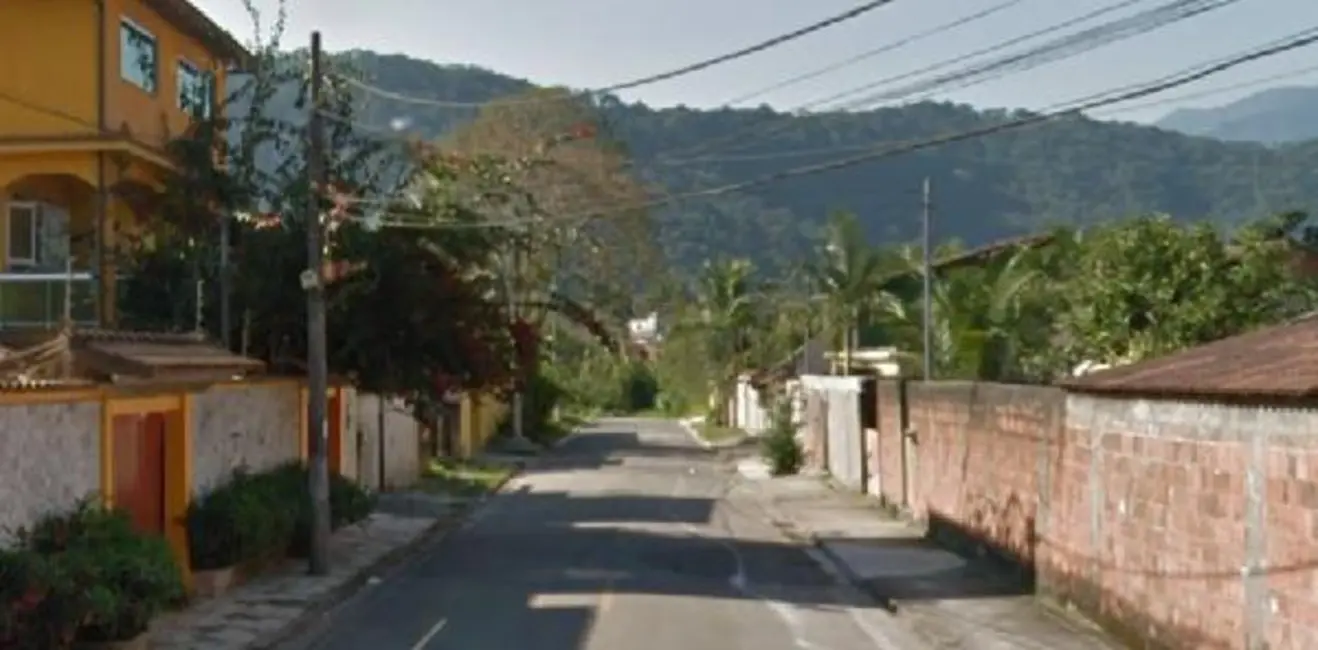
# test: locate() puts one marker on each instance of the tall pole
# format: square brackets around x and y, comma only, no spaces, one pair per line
[928,266]
[519,433]
[226,282]
[317,369]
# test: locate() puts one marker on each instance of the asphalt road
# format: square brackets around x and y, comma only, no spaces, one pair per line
[624,537]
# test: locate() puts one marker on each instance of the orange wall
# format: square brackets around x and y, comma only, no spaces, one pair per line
[31,31]
[151,118]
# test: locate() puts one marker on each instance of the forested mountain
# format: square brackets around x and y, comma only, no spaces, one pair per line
[1073,170]
[1272,116]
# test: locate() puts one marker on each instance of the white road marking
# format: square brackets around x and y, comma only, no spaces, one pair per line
[430,634]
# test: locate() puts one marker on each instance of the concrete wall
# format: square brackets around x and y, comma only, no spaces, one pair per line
[1176,524]
[50,456]
[401,440]
[253,426]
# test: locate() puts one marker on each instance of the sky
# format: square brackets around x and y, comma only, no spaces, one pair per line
[595,43]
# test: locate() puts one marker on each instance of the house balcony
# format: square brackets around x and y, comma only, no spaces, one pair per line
[41,300]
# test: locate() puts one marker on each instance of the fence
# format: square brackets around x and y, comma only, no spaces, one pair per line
[834,436]
[146,451]
[1178,524]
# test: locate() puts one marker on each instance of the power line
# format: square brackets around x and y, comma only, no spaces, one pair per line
[1298,40]
[1105,111]
[743,135]
[1057,49]
[682,71]
[869,54]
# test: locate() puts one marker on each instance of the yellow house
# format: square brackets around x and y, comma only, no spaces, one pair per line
[90,92]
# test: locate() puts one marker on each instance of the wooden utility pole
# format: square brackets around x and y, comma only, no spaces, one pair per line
[926,218]
[317,365]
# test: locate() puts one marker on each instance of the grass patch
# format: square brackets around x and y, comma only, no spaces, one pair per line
[462,478]
[716,433]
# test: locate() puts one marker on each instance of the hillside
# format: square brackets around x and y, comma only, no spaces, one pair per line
[1075,170]
[1277,115]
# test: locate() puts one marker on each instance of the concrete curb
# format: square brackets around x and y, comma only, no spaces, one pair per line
[325,606]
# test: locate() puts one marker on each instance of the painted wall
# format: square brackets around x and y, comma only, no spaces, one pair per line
[401,438]
[49,459]
[152,118]
[254,426]
[49,61]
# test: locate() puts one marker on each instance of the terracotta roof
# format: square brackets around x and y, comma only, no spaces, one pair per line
[195,23]
[1280,361]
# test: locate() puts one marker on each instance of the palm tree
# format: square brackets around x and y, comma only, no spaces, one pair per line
[847,278]
[978,332]
[728,312]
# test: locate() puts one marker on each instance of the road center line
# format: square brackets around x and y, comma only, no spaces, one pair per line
[430,634]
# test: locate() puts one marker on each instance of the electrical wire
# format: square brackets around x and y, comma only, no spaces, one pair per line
[869,54]
[647,80]
[746,137]
[1303,38]
[1060,48]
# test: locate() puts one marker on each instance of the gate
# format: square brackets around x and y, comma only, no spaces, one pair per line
[843,436]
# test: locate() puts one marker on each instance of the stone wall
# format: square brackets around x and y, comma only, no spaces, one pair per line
[50,457]
[253,426]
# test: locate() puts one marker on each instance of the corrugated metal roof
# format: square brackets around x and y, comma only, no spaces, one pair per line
[1280,361]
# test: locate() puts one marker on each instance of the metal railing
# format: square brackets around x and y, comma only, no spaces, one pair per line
[38,299]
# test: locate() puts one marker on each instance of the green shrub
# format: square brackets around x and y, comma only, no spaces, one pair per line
[779,445]
[349,503]
[84,575]
[247,519]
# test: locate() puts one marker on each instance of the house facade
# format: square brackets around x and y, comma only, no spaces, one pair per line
[90,93]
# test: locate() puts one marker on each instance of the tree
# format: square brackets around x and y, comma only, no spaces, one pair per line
[1149,287]
[847,275]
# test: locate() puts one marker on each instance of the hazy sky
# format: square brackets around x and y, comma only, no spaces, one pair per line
[593,43]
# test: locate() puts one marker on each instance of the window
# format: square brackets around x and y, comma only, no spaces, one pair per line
[23,228]
[38,235]
[194,90]
[137,56]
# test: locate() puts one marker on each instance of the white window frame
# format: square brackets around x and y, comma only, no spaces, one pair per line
[128,23]
[34,209]
[205,79]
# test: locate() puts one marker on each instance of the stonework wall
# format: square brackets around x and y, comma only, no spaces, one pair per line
[50,457]
[253,426]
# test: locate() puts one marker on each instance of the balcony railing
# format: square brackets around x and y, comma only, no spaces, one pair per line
[38,299]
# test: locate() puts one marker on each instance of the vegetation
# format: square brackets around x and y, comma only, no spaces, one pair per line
[462,478]
[1075,171]
[83,576]
[256,517]
[779,446]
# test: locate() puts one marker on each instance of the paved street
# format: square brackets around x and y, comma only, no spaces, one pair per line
[627,536]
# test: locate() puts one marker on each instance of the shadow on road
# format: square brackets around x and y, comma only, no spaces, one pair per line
[532,571]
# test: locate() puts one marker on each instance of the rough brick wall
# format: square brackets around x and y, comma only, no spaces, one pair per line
[1180,525]
[886,450]
[50,457]
[253,426]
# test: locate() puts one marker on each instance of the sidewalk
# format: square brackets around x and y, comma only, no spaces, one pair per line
[948,600]
[283,603]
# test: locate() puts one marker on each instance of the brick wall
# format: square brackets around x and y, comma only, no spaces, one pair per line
[976,460]
[1176,524]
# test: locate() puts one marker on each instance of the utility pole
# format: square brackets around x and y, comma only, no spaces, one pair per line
[514,283]
[317,369]
[928,265]
[226,282]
